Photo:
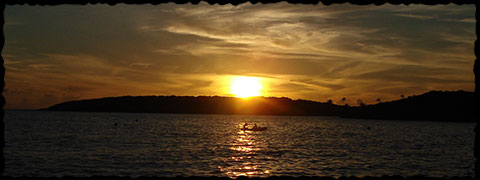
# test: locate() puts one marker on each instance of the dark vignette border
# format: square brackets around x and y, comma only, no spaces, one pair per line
[476,70]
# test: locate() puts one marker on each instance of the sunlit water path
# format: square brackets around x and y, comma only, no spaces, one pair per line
[85,144]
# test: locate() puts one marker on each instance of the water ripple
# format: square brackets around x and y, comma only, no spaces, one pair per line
[47,144]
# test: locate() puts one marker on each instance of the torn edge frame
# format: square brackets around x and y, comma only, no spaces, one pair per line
[476,68]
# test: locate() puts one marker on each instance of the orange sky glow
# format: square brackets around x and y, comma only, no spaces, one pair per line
[314,52]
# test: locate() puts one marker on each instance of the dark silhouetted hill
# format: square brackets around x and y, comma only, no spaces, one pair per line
[434,105]
[201,105]
[455,106]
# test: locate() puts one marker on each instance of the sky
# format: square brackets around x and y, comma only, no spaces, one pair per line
[60,53]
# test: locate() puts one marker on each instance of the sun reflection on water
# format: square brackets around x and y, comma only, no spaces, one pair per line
[244,151]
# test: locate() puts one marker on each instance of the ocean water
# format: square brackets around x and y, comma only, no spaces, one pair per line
[47,144]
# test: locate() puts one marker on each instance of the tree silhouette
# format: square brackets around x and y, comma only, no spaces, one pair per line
[360,103]
[329,101]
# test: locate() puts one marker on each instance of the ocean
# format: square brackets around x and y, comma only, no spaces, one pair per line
[82,144]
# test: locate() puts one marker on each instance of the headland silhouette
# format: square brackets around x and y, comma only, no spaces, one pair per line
[456,106]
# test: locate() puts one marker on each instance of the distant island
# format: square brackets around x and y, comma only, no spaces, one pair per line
[456,106]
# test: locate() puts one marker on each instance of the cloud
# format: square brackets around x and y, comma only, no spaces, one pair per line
[421,17]
[309,52]
[321,84]
[285,87]
[412,74]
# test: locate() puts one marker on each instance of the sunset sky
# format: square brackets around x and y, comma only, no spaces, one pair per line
[60,53]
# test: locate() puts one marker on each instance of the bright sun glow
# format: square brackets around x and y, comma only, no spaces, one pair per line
[244,87]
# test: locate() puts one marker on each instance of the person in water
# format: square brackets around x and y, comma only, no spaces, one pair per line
[245,126]
[255,126]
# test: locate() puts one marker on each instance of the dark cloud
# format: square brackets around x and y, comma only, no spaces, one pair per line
[413,74]
[285,87]
[321,84]
[355,51]
[196,84]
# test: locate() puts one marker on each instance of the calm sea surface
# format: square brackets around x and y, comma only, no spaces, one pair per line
[49,144]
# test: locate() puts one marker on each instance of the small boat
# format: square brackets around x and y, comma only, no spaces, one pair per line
[255,129]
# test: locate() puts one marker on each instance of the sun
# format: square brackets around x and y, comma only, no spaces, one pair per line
[244,86]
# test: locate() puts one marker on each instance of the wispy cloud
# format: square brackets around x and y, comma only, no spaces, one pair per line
[302,51]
